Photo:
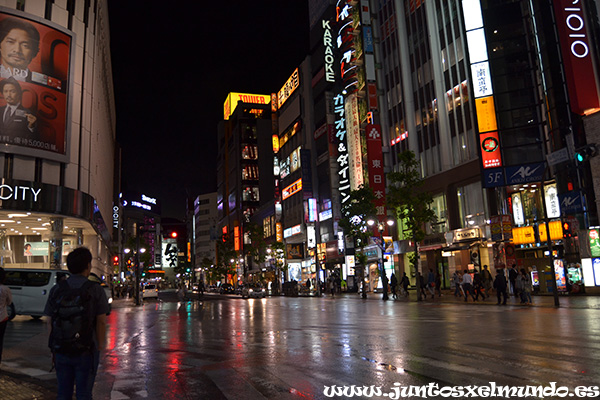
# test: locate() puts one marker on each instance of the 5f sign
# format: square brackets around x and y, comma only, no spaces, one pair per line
[493,178]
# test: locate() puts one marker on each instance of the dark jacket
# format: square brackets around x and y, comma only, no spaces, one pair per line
[500,282]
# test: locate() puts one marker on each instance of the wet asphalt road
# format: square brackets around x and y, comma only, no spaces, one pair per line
[225,347]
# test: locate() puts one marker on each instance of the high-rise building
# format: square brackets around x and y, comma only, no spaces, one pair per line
[244,166]
[492,98]
[57,130]
[204,227]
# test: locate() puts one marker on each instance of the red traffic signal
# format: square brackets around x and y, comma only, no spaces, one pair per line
[116,260]
[173,234]
[567,230]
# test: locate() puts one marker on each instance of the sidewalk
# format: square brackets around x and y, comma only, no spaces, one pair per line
[27,376]
[544,300]
[17,387]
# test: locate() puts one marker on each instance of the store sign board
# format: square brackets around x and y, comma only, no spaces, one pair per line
[292,189]
[486,114]
[556,231]
[375,168]
[342,150]
[571,202]
[490,150]
[461,235]
[594,238]
[552,203]
[232,99]
[329,57]
[288,88]
[524,173]
[493,177]
[577,55]
[523,235]
[354,143]
[19,193]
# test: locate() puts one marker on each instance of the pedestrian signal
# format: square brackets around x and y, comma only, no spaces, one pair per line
[586,152]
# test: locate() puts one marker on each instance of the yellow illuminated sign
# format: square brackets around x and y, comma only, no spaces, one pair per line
[556,231]
[292,189]
[232,100]
[279,232]
[486,114]
[286,91]
[523,235]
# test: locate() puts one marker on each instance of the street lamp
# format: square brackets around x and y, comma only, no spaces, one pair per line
[137,270]
[381,228]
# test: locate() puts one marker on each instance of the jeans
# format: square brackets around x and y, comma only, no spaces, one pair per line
[2,330]
[77,370]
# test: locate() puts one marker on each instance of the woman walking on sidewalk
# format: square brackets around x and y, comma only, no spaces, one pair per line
[5,301]
[526,291]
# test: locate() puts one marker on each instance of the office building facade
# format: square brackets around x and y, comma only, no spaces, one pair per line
[57,158]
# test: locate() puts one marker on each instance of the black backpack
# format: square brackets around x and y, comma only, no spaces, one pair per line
[73,319]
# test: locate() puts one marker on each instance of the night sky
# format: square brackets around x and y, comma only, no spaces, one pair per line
[173,67]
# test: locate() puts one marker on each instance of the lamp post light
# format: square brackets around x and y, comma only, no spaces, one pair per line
[381,229]
[137,271]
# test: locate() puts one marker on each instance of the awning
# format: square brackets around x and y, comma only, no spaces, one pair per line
[463,245]
[431,247]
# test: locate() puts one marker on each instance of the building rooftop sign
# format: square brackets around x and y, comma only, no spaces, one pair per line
[232,100]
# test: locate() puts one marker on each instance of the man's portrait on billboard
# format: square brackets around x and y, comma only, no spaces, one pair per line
[19,44]
[17,121]
[34,78]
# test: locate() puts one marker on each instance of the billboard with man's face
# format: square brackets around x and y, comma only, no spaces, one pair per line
[35,63]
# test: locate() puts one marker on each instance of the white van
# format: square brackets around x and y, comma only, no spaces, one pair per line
[30,289]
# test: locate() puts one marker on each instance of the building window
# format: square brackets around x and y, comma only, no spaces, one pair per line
[471,205]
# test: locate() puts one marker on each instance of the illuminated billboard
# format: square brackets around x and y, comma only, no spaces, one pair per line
[35,68]
[292,189]
[232,100]
[290,86]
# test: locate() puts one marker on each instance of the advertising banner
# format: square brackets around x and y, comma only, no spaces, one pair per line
[594,238]
[577,57]
[295,251]
[354,143]
[36,249]
[496,227]
[35,68]
[376,174]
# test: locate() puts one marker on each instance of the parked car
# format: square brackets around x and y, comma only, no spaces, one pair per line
[253,291]
[150,290]
[226,288]
[30,289]
[212,288]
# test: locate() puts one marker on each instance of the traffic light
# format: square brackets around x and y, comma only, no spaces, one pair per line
[567,230]
[173,235]
[116,261]
[586,152]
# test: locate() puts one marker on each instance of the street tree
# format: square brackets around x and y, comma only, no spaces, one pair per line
[277,251]
[256,250]
[225,253]
[355,212]
[411,203]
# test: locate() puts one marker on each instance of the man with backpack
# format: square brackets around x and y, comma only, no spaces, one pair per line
[78,308]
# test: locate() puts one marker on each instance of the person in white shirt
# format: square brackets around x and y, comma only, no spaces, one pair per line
[467,284]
